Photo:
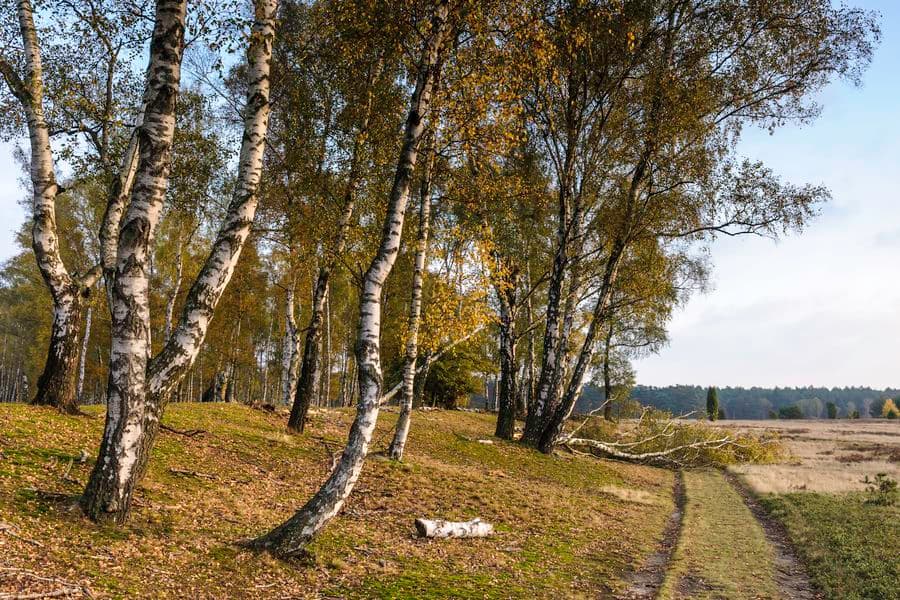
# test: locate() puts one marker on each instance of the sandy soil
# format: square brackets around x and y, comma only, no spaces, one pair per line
[824,455]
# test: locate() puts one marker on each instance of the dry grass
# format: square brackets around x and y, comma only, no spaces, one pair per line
[559,533]
[830,456]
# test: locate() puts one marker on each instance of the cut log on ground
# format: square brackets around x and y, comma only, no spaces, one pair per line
[448,529]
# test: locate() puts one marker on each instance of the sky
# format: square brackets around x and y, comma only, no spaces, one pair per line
[819,308]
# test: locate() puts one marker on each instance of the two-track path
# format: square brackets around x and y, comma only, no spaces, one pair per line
[661,576]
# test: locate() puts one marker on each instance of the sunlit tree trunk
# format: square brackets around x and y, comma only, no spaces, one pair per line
[139,388]
[290,350]
[401,431]
[84,351]
[291,537]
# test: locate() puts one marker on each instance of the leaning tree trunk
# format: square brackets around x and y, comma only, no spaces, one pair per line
[310,367]
[401,430]
[289,538]
[138,387]
[57,383]
[112,481]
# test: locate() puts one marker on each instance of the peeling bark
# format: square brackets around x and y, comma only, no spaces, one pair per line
[291,537]
[448,529]
[57,383]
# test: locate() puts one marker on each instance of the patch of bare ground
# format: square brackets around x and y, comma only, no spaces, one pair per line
[792,579]
[645,582]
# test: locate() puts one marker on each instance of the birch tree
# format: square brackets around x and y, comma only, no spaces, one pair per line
[56,385]
[401,430]
[291,537]
[139,387]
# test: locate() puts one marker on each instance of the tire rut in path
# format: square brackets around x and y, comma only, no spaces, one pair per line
[646,581]
[790,575]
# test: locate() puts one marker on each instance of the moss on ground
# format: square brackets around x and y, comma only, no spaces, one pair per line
[558,535]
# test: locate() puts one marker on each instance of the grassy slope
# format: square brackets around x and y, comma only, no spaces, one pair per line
[558,534]
[722,551]
[850,548]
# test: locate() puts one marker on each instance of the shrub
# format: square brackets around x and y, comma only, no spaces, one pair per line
[882,490]
[790,412]
[832,410]
[890,410]
[854,414]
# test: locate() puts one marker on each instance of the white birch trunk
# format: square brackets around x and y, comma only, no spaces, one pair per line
[57,383]
[84,350]
[109,490]
[476,528]
[310,372]
[139,388]
[401,431]
[290,360]
[291,537]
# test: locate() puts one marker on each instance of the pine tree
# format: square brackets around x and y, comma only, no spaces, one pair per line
[712,404]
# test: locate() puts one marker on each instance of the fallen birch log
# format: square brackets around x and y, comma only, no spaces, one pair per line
[439,528]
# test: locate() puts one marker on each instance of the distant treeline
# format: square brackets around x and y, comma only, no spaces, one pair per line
[755,402]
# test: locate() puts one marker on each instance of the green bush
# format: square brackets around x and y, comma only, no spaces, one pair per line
[790,412]
[832,410]
[882,490]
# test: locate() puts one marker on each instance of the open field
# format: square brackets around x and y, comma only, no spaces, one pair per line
[848,544]
[825,455]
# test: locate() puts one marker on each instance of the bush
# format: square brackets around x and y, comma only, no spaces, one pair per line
[832,410]
[854,414]
[790,412]
[882,490]
[889,410]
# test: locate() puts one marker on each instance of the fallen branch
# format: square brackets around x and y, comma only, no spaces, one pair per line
[192,474]
[448,529]
[186,433]
[615,451]
[389,395]
[13,531]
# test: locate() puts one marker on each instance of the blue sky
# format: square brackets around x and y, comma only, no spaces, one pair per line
[820,308]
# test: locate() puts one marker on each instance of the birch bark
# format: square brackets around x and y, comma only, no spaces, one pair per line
[310,368]
[138,387]
[291,537]
[401,431]
[57,383]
